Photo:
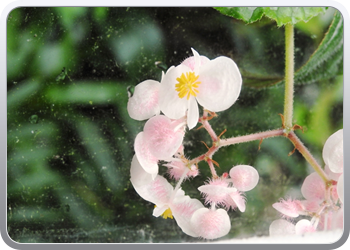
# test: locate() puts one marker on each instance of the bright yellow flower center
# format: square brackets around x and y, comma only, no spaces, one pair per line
[187,85]
[167,214]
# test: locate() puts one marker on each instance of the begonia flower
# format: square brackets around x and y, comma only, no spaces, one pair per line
[169,202]
[214,84]
[144,103]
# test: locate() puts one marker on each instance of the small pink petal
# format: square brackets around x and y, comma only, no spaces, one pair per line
[290,208]
[210,224]
[281,228]
[177,168]
[313,187]
[215,194]
[244,177]
[161,136]
[311,205]
[239,201]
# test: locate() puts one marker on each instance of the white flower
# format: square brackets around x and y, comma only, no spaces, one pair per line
[168,201]
[214,84]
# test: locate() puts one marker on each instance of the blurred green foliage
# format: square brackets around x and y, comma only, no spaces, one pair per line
[70,139]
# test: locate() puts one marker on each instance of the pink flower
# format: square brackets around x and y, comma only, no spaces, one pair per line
[214,84]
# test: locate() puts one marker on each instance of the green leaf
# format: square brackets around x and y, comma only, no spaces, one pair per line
[326,62]
[282,15]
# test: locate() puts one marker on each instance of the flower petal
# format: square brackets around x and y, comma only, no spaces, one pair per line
[162,138]
[281,228]
[313,187]
[157,191]
[333,152]
[193,113]
[139,176]
[340,188]
[190,62]
[170,103]
[220,85]
[210,224]
[239,201]
[183,208]
[244,177]
[147,160]
[304,226]
[290,208]
[144,103]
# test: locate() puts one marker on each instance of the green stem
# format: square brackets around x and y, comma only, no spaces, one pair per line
[289,78]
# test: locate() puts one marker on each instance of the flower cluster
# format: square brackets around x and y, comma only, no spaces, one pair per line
[171,106]
[323,201]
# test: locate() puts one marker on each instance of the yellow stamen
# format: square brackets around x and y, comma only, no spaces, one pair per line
[167,214]
[187,85]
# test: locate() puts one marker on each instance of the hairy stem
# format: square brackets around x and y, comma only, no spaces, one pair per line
[252,137]
[289,78]
[307,155]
